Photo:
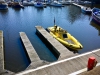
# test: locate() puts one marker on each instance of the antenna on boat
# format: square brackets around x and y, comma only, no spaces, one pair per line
[54,20]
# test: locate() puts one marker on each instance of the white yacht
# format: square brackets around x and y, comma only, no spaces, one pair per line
[30,3]
[56,4]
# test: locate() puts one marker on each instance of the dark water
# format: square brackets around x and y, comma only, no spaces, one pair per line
[70,18]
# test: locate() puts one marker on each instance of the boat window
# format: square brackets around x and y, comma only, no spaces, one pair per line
[64,35]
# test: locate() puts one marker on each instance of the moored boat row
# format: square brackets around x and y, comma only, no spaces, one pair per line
[34,3]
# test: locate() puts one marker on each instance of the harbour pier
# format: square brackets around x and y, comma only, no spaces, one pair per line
[33,56]
[1,53]
[3,71]
[77,5]
[35,61]
[67,64]
[80,6]
[84,9]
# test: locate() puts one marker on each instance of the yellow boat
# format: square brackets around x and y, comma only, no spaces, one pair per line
[64,37]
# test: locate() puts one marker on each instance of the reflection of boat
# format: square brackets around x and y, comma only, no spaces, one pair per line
[64,37]
[3,5]
[39,4]
[56,4]
[73,16]
[96,26]
[96,15]
[86,10]
[17,5]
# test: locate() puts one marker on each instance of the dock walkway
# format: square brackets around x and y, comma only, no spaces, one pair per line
[33,56]
[61,51]
[1,53]
[65,67]
[84,9]
[78,5]
[29,48]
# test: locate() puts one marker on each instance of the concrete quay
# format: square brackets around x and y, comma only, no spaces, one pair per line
[33,56]
[66,64]
[80,6]
[76,65]
[35,61]
[2,65]
[1,53]
[77,5]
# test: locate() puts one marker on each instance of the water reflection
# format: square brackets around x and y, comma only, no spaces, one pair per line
[74,13]
[17,9]
[3,12]
[96,26]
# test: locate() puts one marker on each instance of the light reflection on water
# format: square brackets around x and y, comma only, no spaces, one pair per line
[69,17]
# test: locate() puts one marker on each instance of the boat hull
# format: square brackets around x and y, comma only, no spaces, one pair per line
[17,5]
[56,5]
[95,17]
[65,38]
[86,11]
[2,7]
[39,5]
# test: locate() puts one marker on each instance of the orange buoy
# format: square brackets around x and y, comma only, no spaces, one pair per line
[91,63]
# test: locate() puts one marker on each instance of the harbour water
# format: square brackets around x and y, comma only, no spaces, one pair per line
[70,18]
